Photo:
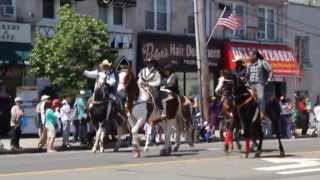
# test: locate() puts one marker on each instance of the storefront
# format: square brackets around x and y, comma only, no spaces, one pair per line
[282,59]
[180,52]
[15,47]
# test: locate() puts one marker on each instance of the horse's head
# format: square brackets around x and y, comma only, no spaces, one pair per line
[126,77]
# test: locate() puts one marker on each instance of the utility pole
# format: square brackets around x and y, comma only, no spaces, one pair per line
[202,56]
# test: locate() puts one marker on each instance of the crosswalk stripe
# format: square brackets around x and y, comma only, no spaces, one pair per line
[298,171]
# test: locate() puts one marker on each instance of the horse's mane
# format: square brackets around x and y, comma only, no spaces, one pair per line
[132,89]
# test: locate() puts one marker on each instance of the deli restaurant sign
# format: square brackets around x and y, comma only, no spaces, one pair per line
[281,57]
[180,51]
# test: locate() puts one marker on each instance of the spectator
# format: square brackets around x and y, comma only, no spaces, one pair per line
[15,122]
[50,124]
[316,111]
[42,129]
[65,113]
[80,121]
[284,116]
[303,115]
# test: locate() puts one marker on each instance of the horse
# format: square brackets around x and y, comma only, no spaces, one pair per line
[140,110]
[247,107]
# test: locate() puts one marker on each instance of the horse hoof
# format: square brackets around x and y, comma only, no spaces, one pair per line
[136,154]
[146,149]
[282,154]
[94,150]
[246,155]
[257,155]
[116,150]
[101,150]
[175,149]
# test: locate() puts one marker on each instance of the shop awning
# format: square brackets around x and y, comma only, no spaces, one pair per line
[14,53]
[281,57]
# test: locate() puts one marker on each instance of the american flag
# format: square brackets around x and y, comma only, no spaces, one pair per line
[229,20]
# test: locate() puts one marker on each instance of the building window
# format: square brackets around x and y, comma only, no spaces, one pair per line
[48,9]
[239,10]
[7,7]
[191,27]
[118,15]
[103,14]
[157,15]
[266,24]
[302,50]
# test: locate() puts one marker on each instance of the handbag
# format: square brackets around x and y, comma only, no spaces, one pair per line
[24,121]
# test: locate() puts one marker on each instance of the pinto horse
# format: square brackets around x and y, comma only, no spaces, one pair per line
[140,110]
[248,111]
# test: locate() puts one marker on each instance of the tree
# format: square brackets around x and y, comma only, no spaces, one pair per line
[79,43]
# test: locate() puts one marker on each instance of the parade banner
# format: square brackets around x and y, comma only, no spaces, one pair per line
[281,57]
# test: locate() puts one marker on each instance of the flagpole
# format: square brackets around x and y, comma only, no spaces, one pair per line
[215,26]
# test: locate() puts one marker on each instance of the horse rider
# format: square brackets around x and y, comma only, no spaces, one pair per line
[149,78]
[105,79]
[241,69]
[260,73]
[169,88]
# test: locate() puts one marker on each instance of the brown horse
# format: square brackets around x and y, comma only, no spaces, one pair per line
[140,109]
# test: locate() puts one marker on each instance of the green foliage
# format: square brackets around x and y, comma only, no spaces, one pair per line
[79,43]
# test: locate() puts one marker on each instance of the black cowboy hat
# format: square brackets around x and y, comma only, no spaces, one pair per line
[257,55]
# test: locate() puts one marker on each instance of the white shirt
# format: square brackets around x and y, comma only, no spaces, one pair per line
[102,76]
[65,112]
[284,108]
[316,111]
[151,75]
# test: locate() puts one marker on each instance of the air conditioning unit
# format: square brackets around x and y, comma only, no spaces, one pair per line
[8,11]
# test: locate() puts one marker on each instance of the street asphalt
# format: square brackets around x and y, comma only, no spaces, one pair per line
[204,161]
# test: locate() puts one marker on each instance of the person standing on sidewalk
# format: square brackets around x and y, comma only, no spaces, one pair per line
[65,113]
[316,111]
[80,121]
[15,122]
[284,117]
[51,124]
[43,131]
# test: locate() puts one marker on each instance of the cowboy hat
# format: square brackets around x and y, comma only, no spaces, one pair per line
[105,62]
[44,97]
[18,99]
[150,60]
[237,58]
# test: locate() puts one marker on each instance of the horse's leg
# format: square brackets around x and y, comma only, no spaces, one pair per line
[190,134]
[135,137]
[102,136]
[247,147]
[146,145]
[96,142]
[282,153]
[119,133]
[178,130]
[166,150]
[237,138]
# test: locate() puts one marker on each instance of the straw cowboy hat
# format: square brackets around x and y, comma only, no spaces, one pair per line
[44,97]
[18,99]
[105,62]
[238,58]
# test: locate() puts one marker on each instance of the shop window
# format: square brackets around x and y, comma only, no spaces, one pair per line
[302,50]
[266,23]
[48,9]
[157,15]
[191,27]
[103,14]
[192,84]
[118,15]
[7,7]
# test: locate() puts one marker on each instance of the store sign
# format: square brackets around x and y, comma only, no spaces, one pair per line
[15,32]
[281,58]
[180,51]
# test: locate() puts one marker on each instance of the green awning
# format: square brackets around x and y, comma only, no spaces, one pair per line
[14,53]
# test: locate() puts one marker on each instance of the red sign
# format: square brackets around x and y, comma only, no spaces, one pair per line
[281,57]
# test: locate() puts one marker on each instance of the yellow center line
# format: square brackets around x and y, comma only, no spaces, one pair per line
[130,165]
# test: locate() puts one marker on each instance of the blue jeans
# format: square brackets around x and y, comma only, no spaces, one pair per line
[260,96]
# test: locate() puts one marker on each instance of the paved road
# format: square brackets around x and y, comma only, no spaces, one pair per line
[204,161]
